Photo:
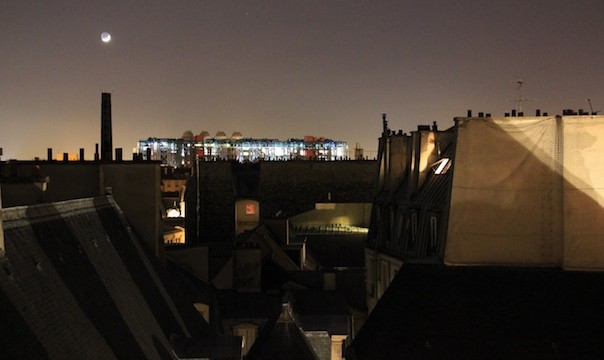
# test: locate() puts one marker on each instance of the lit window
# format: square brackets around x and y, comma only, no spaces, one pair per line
[441,166]
[248,333]
[172,213]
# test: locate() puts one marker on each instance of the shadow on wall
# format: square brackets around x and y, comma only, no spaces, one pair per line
[520,210]
[525,193]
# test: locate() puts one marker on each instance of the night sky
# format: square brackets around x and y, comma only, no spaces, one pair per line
[284,69]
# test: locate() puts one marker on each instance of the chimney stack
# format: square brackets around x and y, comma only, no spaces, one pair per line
[106,135]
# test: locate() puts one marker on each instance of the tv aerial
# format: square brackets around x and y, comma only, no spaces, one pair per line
[520,99]
[591,109]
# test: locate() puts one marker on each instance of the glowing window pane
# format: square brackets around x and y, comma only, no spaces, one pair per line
[250,209]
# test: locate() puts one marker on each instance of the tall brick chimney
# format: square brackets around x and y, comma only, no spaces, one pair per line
[106,136]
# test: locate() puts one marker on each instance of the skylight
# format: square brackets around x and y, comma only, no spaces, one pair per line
[441,166]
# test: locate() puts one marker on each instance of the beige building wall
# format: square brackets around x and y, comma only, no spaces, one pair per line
[505,203]
[583,192]
[528,192]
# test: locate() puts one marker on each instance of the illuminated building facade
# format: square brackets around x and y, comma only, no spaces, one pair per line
[486,228]
[490,191]
[183,151]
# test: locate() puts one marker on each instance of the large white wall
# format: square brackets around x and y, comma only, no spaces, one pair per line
[583,192]
[528,192]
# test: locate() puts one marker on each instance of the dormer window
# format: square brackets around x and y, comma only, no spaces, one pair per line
[441,166]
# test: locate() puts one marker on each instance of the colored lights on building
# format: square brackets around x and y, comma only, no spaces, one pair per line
[183,151]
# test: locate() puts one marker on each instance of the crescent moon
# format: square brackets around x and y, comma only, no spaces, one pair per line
[106,37]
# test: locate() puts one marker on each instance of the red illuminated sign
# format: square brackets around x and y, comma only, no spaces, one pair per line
[250,209]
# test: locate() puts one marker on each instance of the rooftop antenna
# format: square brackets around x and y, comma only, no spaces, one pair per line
[591,109]
[519,99]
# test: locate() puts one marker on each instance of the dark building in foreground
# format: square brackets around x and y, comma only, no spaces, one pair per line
[486,241]
[468,312]
[135,185]
[76,283]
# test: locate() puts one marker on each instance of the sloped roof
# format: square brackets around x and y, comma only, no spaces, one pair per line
[283,340]
[75,283]
[439,312]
